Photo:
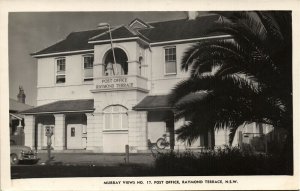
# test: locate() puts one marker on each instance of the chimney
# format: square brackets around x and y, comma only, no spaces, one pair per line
[21,95]
[192,15]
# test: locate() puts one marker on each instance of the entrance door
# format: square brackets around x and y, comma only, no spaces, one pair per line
[74,136]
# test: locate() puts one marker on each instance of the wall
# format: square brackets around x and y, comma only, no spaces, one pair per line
[55,93]
[135,136]
[74,87]
[221,137]
[127,99]
[160,82]
[152,68]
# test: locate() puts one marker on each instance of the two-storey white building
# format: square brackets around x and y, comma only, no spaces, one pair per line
[101,104]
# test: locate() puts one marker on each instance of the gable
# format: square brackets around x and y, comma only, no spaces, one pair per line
[137,24]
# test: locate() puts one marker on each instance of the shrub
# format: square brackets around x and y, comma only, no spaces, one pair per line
[227,161]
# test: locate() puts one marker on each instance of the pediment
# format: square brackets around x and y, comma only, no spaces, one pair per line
[137,24]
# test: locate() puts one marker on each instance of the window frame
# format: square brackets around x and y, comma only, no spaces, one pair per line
[165,60]
[111,118]
[73,133]
[87,79]
[57,71]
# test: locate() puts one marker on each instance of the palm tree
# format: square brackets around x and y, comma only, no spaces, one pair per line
[243,79]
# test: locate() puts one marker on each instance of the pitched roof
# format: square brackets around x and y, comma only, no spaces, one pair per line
[74,41]
[121,32]
[16,106]
[153,102]
[161,102]
[63,106]
[182,29]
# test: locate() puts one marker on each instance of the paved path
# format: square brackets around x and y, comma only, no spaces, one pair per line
[97,159]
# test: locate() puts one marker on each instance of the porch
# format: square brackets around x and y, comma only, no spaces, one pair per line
[69,121]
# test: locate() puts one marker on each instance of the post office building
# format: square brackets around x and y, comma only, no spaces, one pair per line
[102,89]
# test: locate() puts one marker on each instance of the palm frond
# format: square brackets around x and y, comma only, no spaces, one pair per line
[241,80]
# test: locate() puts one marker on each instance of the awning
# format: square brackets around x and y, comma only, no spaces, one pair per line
[161,102]
[155,102]
[64,106]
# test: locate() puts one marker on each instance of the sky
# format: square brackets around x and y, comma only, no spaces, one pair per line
[33,31]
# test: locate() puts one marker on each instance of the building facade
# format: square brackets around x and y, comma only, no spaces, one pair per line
[103,89]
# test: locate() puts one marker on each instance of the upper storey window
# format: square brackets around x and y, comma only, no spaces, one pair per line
[170,60]
[60,70]
[88,61]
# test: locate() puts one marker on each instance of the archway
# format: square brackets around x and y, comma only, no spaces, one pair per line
[115,136]
[121,65]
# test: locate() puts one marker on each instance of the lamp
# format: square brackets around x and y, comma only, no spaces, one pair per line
[100,25]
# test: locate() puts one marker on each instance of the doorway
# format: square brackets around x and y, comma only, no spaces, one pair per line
[74,136]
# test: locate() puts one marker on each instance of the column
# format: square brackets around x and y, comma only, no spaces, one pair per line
[94,131]
[29,130]
[59,132]
[142,128]
[40,135]
[137,131]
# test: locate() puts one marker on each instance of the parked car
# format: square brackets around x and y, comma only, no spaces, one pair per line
[22,154]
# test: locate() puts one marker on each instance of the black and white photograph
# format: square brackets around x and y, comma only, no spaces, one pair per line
[187,93]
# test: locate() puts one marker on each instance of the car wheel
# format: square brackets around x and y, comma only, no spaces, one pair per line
[14,159]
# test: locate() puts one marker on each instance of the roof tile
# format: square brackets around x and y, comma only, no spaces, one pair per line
[63,106]
[74,41]
[122,32]
[159,32]
[14,105]
[179,29]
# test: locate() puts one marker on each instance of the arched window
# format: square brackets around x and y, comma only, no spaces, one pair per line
[120,67]
[115,118]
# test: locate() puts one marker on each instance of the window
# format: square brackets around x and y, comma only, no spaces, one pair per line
[115,118]
[170,60]
[60,70]
[73,132]
[88,67]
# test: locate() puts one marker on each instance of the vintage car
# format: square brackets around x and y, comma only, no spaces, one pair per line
[22,154]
